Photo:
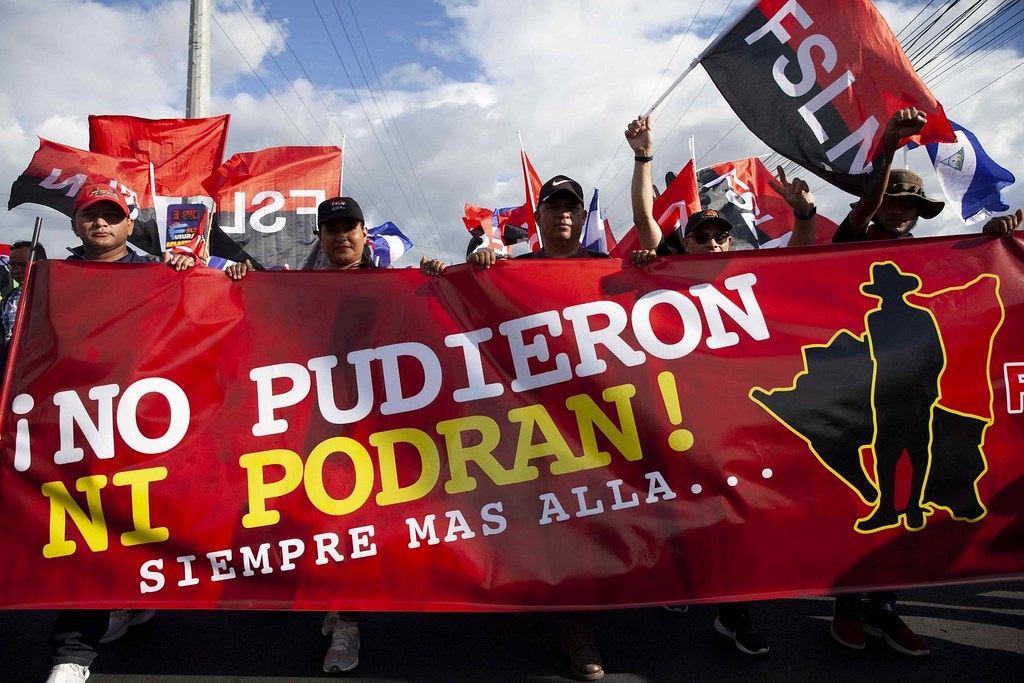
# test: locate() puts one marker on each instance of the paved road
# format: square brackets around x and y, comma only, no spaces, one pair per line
[976,633]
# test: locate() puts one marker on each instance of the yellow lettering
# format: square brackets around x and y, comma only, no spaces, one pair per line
[92,527]
[589,416]
[430,465]
[482,453]
[260,489]
[314,477]
[139,481]
[538,416]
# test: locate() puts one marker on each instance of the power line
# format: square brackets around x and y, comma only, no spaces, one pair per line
[262,82]
[369,121]
[390,124]
[350,152]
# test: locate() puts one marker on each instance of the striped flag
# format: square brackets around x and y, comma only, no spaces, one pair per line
[970,179]
[388,244]
[593,236]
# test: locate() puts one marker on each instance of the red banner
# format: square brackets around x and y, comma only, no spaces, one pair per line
[267,200]
[722,425]
[184,151]
[58,172]
[805,78]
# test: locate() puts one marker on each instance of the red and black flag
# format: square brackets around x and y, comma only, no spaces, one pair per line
[817,81]
[57,173]
[183,151]
[741,192]
[267,202]
[671,209]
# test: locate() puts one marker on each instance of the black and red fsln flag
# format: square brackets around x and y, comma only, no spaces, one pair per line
[817,80]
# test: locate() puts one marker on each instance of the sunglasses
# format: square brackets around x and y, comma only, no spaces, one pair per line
[703,237]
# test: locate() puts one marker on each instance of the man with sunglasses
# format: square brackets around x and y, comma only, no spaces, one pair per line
[706,231]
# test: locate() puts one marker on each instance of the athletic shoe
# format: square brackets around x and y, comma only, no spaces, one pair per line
[847,627]
[848,632]
[742,631]
[885,623]
[123,619]
[343,653]
[68,673]
[578,643]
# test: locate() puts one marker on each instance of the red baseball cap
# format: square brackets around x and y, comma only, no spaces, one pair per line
[91,194]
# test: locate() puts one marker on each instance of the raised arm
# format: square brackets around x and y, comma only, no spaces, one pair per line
[799,197]
[903,124]
[641,140]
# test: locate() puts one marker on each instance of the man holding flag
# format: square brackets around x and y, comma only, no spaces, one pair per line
[892,207]
[890,210]
[706,232]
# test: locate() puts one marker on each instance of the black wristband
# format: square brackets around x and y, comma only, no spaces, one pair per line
[644,159]
[805,216]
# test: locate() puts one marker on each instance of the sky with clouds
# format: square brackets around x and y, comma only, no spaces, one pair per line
[430,95]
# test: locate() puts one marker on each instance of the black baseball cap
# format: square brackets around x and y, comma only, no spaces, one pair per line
[560,183]
[338,207]
[702,217]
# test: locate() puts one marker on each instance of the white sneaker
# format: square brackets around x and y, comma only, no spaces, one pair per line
[343,653]
[123,619]
[68,673]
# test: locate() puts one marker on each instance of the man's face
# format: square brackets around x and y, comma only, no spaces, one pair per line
[561,218]
[343,239]
[895,217]
[714,235]
[18,263]
[102,226]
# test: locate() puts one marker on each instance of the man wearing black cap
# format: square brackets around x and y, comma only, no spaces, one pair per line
[705,232]
[560,218]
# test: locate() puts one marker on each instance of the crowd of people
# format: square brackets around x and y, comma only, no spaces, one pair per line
[889,211]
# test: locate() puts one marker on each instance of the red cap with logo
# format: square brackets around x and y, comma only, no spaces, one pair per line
[91,194]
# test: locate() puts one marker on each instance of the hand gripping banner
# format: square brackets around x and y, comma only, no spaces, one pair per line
[755,425]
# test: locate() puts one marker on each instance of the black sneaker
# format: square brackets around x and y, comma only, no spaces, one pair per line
[742,631]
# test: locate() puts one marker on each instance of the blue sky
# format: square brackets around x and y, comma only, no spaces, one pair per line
[461,78]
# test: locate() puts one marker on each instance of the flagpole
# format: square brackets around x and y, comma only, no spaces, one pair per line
[529,187]
[341,173]
[197,103]
[703,53]
[161,231]
[693,158]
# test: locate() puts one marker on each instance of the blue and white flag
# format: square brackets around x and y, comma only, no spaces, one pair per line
[592,236]
[970,179]
[389,244]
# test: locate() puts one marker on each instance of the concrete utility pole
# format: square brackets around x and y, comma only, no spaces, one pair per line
[197,103]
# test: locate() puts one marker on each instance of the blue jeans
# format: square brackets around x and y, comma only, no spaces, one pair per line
[75,635]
